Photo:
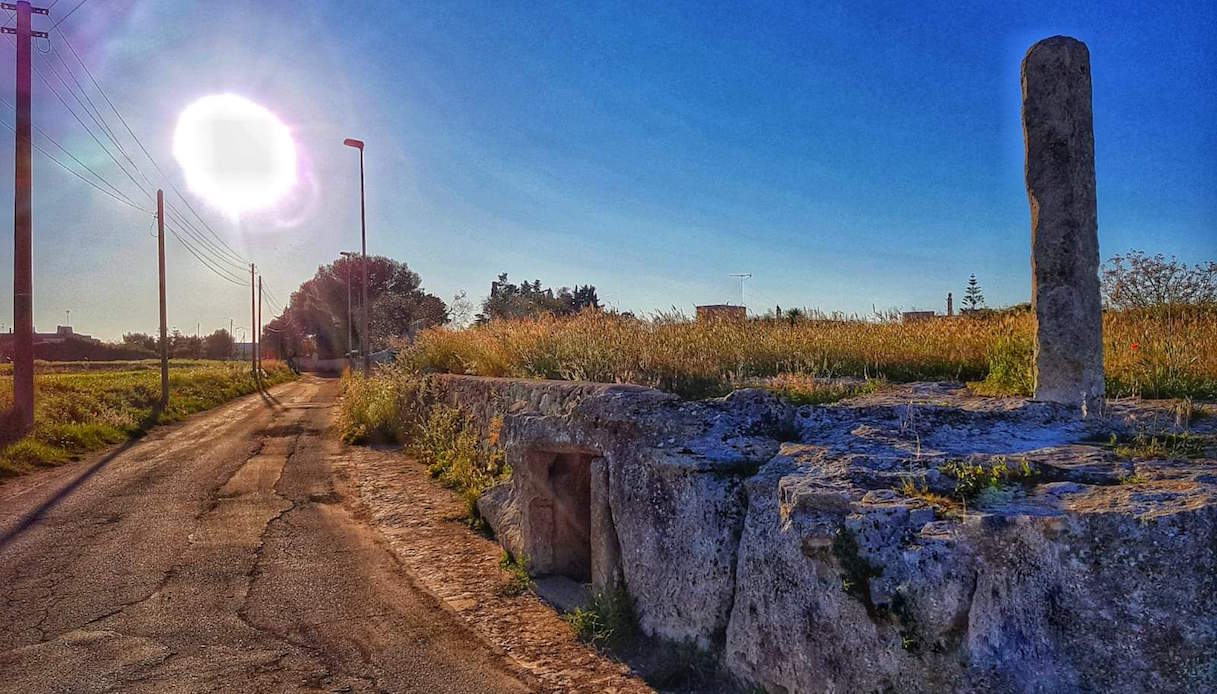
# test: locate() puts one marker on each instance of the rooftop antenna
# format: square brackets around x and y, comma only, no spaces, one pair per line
[741,276]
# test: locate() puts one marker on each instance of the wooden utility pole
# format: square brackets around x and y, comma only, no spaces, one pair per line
[259,326]
[23,220]
[160,256]
[253,325]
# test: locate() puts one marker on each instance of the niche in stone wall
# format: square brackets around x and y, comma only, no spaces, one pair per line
[558,521]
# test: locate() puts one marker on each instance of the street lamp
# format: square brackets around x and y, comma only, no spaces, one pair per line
[350,339]
[363,236]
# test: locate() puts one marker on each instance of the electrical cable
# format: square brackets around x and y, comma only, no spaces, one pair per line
[69,14]
[140,143]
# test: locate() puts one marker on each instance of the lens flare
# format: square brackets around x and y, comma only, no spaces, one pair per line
[235,154]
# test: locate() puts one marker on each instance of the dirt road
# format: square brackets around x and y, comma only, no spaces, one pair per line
[218,555]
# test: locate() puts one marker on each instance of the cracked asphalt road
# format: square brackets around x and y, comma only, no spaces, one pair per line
[219,555]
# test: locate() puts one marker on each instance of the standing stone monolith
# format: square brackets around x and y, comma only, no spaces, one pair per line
[1059,133]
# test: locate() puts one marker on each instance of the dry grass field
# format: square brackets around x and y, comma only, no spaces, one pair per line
[1158,354]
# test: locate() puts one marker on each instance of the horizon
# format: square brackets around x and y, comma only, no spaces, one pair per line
[848,163]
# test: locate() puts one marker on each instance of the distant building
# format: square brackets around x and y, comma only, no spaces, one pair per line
[63,333]
[914,316]
[727,312]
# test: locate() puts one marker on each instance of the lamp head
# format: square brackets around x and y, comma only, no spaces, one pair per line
[352,142]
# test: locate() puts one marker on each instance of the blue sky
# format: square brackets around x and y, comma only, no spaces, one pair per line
[847,155]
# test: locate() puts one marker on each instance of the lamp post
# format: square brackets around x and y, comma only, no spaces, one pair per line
[363,237]
[350,339]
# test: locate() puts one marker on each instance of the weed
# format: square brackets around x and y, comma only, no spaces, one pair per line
[945,505]
[519,581]
[1011,369]
[802,389]
[608,620]
[1163,445]
[973,480]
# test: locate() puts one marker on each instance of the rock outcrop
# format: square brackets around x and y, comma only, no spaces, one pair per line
[917,539]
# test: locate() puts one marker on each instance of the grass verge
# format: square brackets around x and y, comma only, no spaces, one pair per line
[394,406]
[79,412]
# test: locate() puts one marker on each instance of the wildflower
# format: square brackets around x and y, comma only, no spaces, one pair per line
[1135,346]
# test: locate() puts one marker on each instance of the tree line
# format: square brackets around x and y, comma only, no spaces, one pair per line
[217,345]
[317,319]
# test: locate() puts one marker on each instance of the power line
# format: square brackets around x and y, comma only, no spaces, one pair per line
[215,250]
[86,128]
[218,271]
[69,14]
[95,111]
[119,197]
[144,149]
[116,193]
[186,228]
[207,252]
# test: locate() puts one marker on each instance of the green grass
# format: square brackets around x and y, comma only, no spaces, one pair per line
[801,389]
[392,407]
[973,480]
[1164,445]
[77,412]
[518,580]
[608,620]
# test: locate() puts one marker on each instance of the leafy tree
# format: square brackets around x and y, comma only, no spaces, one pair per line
[218,345]
[316,316]
[183,346]
[1137,280]
[511,301]
[141,341]
[973,298]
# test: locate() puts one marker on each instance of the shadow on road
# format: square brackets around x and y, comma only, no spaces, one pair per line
[38,512]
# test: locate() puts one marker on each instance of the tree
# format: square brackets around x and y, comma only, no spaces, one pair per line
[142,341]
[218,345]
[183,346]
[1137,280]
[509,301]
[973,298]
[317,312]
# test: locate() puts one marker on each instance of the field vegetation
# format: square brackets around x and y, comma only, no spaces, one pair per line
[84,407]
[1158,352]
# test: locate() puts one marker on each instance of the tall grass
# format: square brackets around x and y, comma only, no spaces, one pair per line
[75,413]
[1147,353]
[396,406]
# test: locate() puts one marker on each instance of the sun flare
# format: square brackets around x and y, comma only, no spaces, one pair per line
[235,154]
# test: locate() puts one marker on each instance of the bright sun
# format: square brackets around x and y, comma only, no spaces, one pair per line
[236,154]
